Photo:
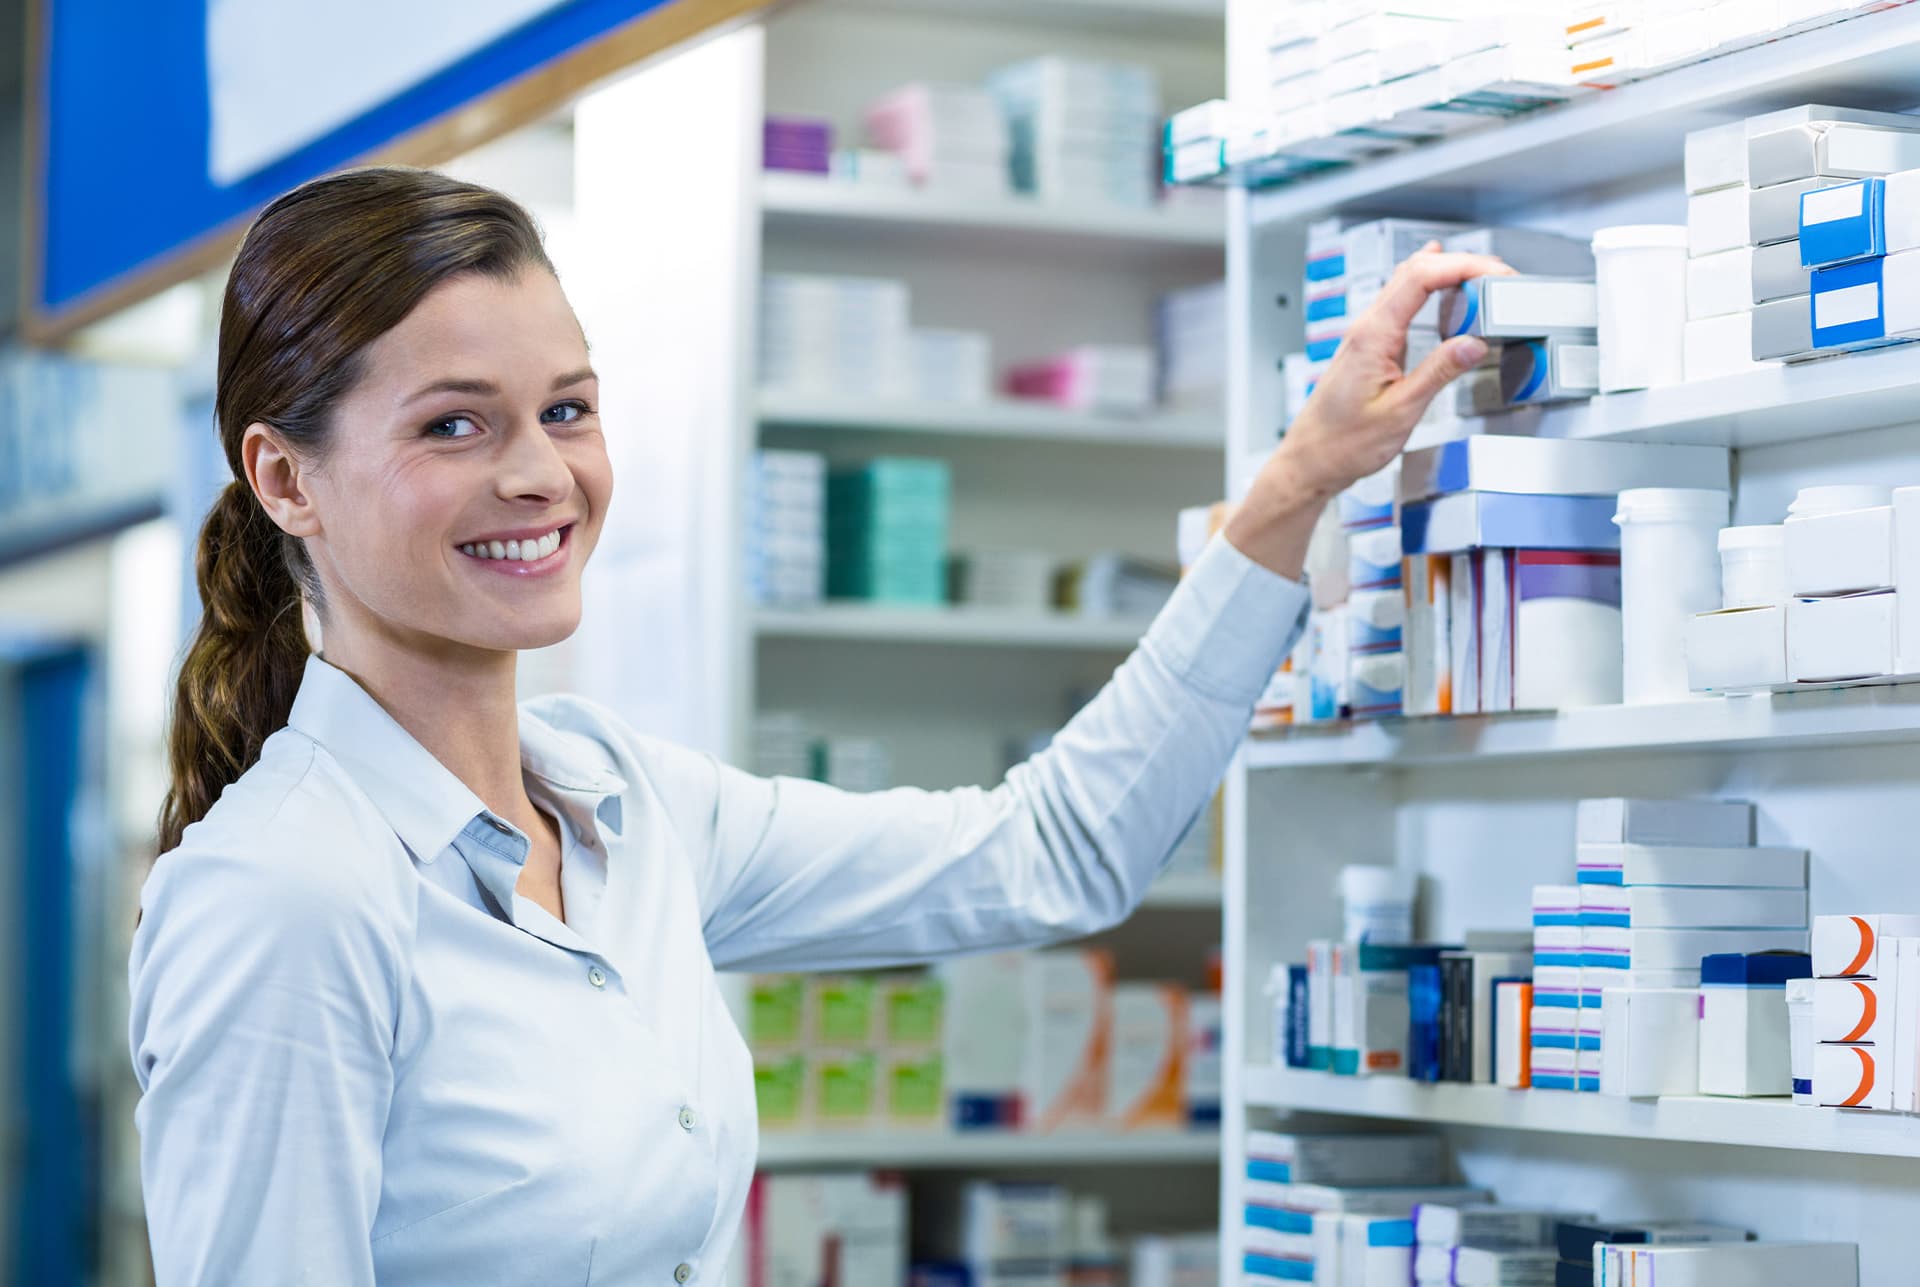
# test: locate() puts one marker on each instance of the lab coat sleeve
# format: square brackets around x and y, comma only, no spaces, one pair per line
[797,875]
[264,990]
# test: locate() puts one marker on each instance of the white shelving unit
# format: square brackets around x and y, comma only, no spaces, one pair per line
[679,225]
[1481,808]
[945,1150]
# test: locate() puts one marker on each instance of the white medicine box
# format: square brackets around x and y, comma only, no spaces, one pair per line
[1841,553]
[1906,570]
[1737,650]
[1840,638]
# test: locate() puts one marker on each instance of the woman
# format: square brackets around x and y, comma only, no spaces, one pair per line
[424,990]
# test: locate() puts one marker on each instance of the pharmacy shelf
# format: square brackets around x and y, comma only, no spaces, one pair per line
[931,625]
[1785,721]
[1000,418]
[1698,1119]
[908,1149]
[1841,394]
[1619,135]
[1184,892]
[875,215]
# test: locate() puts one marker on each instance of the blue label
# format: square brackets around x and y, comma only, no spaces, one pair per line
[1552,1081]
[1827,281]
[1327,267]
[1295,1271]
[1276,1172]
[1327,306]
[1320,350]
[1280,1219]
[1557,1000]
[1556,1040]
[1601,878]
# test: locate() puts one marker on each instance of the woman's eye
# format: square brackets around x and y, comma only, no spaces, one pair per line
[452,427]
[564,413]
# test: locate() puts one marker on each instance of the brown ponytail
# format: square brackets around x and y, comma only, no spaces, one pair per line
[325,271]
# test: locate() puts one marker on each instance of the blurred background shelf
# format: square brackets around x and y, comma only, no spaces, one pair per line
[937,625]
[1003,418]
[905,1149]
[1701,1119]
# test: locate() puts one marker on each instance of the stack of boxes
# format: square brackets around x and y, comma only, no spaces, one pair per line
[1512,569]
[786,545]
[952,138]
[887,531]
[1553,1033]
[1866,1012]
[796,1223]
[844,336]
[1663,885]
[1484,1243]
[847,1050]
[1861,241]
[1190,341]
[1746,182]
[1082,132]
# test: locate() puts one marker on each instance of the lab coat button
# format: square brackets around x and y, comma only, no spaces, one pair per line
[687,1119]
[499,826]
[597,977]
[683,1273]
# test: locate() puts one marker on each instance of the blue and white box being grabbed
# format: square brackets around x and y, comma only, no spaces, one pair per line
[1867,303]
[1548,370]
[1520,307]
[1842,224]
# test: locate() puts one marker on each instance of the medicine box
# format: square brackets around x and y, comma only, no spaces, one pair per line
[1737,650]
[1719,221]
[1610,947]
[1854,1011]
[1554,1068]
[1320,1004]
[1668,907]
[1773,212]
[1712,347]
[1587,1067]
[1778,272]
[1548,370]
[1346,1159]
[1577,1240]
[1649,1042]
[1906,563]
[1494,1265]
[1512,1049]
[1841,638]
[1799,142]
[1503,521]
[1555,467]
[1520,307]
[1900,212]
[1556,946]
[1783,328]
[1840,553]
[1744,1033]
[1068,1038]
[1716,823]
[1849,947]
[1768,867]
[1843,223]
[1866,303]
[1146,1062]
[1443,1225]
[1761,1264]
[1376,1251]
[1553,1027]
[1853,1077]
[1716,157]
[1720,283]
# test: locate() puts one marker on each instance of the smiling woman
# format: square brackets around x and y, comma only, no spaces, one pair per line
[425,988]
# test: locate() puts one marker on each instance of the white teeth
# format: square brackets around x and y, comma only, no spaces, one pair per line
[527,551]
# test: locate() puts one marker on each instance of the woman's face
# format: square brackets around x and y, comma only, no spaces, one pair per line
[467,476]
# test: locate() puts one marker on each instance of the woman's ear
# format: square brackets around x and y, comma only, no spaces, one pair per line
[274,474]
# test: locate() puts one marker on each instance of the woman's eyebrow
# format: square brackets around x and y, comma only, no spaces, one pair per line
[488,389]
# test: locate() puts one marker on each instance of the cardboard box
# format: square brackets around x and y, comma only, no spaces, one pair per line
[843,1088]
[1716,157]
[1146,1066]
[1906,1025]
[1843,223]
[1513,1047]
[1370,1006]
[1520,307]
[1833,149]
[1610,947]
[1783,328]
[1773,212]
[983,1047]
[1857,1012]
[1718,346]
[1853,1077]
[1840,553]
[1650,1042]
[1715,823]
[1504,521]
[858,1222]
[1849,947]
[914,1089]
[1548,370]
[1760,1264]
[1669,907]
[1768,867]
[1554,1068]
[1778,272]
[1744,1037]
[1555,467]
[1068,1038]
[1344,1159]
[1720,283]
[1588,1070]
[1900,212]
[1577,1240]
[1906,568]
[1866,303]
[1719,221]
[1444,1226]
[1737,650]
[1845,637]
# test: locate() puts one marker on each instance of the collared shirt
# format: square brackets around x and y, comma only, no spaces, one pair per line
[365,1056]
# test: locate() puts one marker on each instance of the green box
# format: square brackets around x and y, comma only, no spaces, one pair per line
[913,1010]
[845,1087]
[844,1010]
[780,1089]
[916,1090]
[776,1009]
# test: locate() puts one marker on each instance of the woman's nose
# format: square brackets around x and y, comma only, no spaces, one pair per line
[533,468]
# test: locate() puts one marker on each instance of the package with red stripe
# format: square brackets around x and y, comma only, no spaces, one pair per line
[1866,1012]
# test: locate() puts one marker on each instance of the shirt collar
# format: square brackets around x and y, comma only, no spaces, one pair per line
[425,804]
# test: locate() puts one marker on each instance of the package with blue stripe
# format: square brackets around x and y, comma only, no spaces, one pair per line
[1373,559]
[1371,1014]
[1292,1231]
[1501,520]
[1402,1158]
[1376,1251]
[1843,223]
[1558,369]
[1556,467]
[1745,1042]
[1868,302]
[1520,307]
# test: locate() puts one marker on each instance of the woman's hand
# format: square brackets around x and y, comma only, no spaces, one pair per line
[1360,415]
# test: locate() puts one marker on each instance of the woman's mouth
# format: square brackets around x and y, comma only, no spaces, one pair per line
[529,555]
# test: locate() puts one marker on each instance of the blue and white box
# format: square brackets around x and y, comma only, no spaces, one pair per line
[1373,559]
[1608,947]
[1504,521]
[1744,1037]
[1844,223]
[1548,370]
[1866,303]
[1684,907]
[1556,905]
[1556,467]
[1761,867]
